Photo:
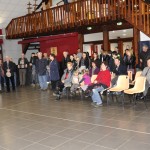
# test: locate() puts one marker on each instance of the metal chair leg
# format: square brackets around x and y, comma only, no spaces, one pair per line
[145,102]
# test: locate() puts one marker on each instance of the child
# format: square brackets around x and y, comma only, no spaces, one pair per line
[86,79]
[75,82]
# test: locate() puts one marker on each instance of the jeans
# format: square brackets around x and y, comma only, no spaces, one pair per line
[43,81]
[95,96]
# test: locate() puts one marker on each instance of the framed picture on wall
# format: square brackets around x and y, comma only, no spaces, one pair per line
[53,50]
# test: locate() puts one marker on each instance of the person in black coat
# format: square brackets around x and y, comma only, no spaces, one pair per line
[119,69]
[84,61]
[54,71]
[9,67]
[96,60]
[129,60]
[144,54]
[65,60]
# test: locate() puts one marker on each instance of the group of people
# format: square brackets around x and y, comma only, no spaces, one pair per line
[78,70]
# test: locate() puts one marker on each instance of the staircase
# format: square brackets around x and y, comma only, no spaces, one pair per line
[137,13]
[71,17]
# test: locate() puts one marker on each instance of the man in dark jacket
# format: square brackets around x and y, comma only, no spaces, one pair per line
[119,69]
[41,68]
[144,54]
[8,67]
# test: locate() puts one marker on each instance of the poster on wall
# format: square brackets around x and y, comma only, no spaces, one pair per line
[53,50]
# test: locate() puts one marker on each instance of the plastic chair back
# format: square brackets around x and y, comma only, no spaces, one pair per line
[140,84]
[123,82]
[138,74]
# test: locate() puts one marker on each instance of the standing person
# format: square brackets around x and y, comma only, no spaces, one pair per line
[1,75]
[8,67]
[96,59]
[144,54]
[74,62]
[146,73]
[41,65]
[84,62]
[54,71]
[129,60]
[22,65]
[32,64]
[65,60]
[79,53]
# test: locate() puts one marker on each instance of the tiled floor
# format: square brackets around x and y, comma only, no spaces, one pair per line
[32,120]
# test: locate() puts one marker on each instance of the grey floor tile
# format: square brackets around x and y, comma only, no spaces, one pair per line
[83,126]
[70,133]
[36,136]
[111,142]
[133,145]
[53,141]
[89,137]
[72,145]
[95,147]
[37,147]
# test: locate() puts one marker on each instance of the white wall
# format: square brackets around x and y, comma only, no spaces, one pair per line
[93,37]
[11,48]
[113,45]
[144,37]
[54,2]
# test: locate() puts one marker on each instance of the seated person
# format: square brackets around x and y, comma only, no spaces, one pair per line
[119,69]
[75,82]
[146,73]
[102,82]
[65,80]
[94,70]
[86,79]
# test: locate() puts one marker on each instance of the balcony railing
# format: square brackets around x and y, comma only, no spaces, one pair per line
[80,13]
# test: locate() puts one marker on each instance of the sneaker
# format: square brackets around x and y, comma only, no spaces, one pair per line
[98,105]
[54,94]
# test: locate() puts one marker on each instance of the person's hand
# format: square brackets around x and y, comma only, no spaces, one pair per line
[141,60]
[26,66]
[18,66]
[62,81]
[30,64]
[95,82]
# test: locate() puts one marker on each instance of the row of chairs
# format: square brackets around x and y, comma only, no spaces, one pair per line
[123,86]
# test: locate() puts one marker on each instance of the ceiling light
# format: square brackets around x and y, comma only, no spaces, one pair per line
[124,30]
[89,28]
[113,31]
[119,23]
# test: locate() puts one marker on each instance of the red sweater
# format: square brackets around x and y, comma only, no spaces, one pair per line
[104,77]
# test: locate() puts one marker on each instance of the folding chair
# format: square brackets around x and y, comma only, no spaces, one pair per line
[122,84]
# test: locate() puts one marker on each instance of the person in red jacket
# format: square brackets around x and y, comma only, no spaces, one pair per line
[102,82]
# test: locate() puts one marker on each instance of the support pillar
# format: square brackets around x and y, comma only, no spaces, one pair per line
[120,47]
[135,42]
[106,45]
[81,41]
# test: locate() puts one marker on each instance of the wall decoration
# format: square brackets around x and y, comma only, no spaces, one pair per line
[53,50]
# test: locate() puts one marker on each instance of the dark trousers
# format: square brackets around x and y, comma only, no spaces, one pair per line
[53,84]
[8,83]
[59,86]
